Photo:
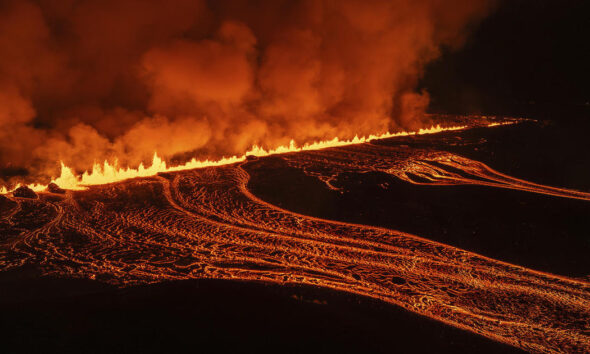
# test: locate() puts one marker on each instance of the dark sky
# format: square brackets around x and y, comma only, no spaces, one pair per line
[528,56]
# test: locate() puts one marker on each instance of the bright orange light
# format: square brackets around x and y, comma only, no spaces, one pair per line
[109,173]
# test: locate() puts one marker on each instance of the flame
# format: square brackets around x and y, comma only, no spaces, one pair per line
[109,173]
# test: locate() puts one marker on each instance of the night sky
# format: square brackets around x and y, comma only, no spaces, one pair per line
[527,57]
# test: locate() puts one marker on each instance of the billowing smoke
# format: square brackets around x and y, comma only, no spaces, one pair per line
[88,80]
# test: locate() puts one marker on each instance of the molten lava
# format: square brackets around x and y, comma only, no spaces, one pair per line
[206,223]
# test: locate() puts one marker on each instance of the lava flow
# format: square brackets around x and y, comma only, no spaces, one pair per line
[206,223]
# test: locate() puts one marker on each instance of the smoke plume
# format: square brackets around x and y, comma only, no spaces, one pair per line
[88,80]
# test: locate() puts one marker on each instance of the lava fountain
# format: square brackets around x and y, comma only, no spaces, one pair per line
[109,173]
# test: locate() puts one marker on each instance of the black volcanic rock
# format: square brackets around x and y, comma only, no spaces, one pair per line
[24,192]
[231,317]
[54,188]
[6,205]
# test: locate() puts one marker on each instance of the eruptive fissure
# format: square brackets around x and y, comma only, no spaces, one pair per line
[107,173]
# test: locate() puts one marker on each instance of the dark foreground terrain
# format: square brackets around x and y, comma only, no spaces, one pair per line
[77,316]
[436,243]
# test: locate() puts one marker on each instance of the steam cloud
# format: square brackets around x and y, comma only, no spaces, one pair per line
[83,81]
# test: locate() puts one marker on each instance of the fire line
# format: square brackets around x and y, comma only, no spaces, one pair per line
[108,173]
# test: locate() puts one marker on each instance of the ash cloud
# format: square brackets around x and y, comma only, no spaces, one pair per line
[83,81]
